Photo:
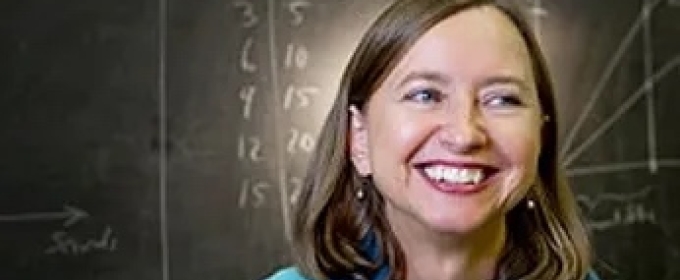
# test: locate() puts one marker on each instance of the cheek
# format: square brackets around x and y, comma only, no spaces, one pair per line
[394,136]
[519,148]
[519,144]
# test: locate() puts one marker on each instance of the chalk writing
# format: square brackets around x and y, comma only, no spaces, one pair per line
[300,141]
[299,96]
[250,19]
[621,209]
[253,193]
[247,93]
[296,56]
[64,244]
[250,148]
[627,214]
[246,64]
[294,98]
[295,7]
[295,184]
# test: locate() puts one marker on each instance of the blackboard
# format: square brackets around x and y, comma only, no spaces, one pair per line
[166,139]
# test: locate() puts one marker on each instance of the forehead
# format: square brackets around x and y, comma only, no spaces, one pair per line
[474,43]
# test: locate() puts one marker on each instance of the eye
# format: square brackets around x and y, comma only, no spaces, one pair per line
[503,98]
[424,95]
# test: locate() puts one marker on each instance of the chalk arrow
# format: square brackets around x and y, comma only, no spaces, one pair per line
[70,214]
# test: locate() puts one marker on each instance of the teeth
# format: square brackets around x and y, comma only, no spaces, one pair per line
[454,175]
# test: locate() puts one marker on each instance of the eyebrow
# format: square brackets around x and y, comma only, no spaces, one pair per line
[431,76]
[506,79]
[438,77]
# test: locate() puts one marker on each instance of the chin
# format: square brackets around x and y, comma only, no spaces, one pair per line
[454,224]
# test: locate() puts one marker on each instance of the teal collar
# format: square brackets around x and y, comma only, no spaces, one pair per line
[370,243]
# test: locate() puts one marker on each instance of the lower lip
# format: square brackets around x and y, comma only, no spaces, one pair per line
[455,189]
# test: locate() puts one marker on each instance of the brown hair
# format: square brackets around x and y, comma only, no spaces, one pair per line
[331,225]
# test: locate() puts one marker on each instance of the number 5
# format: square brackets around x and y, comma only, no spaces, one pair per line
[295,9]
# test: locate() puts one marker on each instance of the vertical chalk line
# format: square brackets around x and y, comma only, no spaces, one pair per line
[162,136]
[280,153]
[648,51]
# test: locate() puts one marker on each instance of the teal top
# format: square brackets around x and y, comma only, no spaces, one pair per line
[292,273]
[371,249]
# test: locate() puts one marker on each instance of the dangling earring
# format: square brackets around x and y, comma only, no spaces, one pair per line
[360,192]
[546,118]
[531,204]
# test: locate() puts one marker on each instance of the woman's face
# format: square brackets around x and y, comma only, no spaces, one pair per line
[452,135]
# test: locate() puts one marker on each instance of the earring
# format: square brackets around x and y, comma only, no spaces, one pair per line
[360,192]
[546,118]
[531,204]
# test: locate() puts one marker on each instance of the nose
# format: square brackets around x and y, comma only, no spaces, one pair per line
[463,131]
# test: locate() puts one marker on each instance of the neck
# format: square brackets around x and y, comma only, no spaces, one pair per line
[432,255]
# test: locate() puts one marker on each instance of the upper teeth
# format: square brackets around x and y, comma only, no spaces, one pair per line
[454,175]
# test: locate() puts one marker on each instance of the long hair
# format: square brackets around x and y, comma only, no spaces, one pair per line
[331,225]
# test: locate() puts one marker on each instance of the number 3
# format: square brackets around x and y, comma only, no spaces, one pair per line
[248,13]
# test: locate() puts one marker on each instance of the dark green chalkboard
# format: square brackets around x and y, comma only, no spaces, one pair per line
[166,139]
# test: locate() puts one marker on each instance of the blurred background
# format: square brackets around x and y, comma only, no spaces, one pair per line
[166,139]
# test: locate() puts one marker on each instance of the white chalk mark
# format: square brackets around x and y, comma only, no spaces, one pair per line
[63,244]
[592,203]
[537,13]
[71,215]
[627,104]
[280,152]
[648,59]
[163,138]
[628,215]
[246,64]
[626,211]
[606,75]
[620,167]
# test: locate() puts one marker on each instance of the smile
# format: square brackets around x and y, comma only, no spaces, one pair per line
[454,175]
[456,178]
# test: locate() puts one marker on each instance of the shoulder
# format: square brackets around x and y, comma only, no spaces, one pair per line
[289,273]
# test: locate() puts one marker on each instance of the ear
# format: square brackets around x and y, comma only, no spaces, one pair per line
[358,142]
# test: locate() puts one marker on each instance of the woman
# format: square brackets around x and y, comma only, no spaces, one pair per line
[439,157]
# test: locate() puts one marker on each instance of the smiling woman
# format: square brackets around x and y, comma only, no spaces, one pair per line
[438,159]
